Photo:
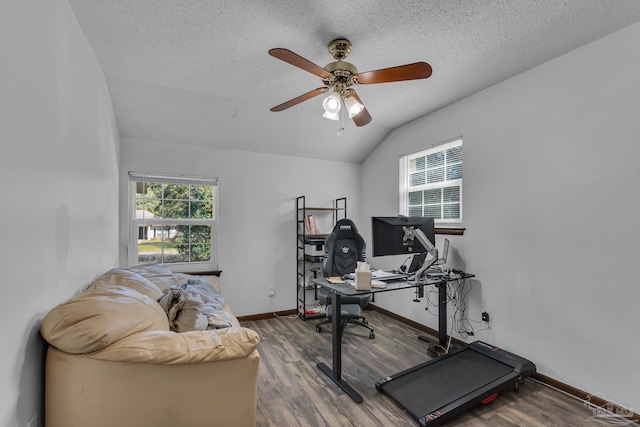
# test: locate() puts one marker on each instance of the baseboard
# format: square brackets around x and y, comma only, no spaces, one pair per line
[263,316]
[593,399]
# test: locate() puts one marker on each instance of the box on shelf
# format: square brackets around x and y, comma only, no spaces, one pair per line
[314,250]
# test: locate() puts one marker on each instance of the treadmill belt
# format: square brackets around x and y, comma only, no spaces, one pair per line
[429,389]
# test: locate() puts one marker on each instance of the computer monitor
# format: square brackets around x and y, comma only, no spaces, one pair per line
[389,234]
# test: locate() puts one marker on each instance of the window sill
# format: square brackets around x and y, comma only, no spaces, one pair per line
[205,273]
[451,231]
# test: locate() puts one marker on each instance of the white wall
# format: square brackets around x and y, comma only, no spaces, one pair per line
[257,245]
[550,209]
[59,169]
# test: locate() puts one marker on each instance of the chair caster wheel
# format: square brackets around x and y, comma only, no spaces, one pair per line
[372,335]
[318,328]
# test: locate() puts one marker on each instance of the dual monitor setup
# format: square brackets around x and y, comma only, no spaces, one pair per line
[402,235]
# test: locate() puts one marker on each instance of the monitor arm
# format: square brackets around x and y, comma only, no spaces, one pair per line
[411,233]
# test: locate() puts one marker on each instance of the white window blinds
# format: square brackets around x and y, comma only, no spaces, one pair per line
[431,183]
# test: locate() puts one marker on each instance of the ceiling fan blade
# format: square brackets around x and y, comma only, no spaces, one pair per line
[417,70]
[298,61]
[363,117]
[299,99]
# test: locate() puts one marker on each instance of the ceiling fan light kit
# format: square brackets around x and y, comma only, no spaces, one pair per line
[339,76]
[331,116]
[353,106]
[331,103]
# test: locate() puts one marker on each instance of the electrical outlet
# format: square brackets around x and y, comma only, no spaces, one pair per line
[485,316]
[272,291]
[33,421]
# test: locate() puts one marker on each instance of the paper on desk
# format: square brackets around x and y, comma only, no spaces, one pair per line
[381,274]
[335,280]
[374,284]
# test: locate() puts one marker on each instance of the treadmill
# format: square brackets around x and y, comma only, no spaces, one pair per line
[442,388]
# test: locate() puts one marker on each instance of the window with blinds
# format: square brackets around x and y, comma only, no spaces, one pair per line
[431,183]
[173,221]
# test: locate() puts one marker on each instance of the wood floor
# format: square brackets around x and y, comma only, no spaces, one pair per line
[293,392]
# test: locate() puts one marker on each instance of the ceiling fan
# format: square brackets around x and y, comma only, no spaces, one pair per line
[339,76]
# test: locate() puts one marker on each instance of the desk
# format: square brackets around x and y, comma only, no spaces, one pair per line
[340,289]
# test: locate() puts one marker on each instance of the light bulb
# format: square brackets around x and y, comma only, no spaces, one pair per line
[331,103]
[353,106]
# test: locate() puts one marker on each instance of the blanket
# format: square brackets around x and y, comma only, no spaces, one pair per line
[194,306]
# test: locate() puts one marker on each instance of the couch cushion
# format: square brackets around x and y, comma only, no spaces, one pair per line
[101,316]
[180,348]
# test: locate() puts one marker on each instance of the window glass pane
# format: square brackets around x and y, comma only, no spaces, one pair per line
[454,171]
[432,211]
[199,234]
[175,209]
[433,196]
[201,210]
[415,198]
[150,189]
[435,175]
[451,211]
[454,155]
[179,253]
[417,178]
[149,250]
[176,191]
[200,252]
[416,164]
[415,210]
[435,160]
[451,194]
[201,192]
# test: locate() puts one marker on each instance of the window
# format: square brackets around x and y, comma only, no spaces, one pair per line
[173,221]
[431,183]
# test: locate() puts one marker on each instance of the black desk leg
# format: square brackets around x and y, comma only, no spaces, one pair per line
[442,313]
[442,316]
[336,344]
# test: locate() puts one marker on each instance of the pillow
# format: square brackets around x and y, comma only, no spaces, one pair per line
[129,279]
[213,281]
[159,274]
[99,317]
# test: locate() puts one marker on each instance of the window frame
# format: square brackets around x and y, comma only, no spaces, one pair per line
[405,189]
[135,223]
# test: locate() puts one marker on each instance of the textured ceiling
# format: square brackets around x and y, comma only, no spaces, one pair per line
[198,72]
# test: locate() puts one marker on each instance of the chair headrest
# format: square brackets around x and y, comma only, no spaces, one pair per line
[345,229]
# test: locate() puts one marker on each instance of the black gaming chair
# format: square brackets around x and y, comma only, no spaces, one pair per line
[344,248]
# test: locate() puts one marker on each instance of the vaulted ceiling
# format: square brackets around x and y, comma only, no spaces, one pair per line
[197,72]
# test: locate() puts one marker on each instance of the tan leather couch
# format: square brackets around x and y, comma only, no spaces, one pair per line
[113,361]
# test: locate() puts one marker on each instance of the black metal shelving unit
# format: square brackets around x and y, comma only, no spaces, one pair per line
[305,261]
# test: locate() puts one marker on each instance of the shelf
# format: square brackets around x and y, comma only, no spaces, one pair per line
[313,236]
[307,255]
[322,209]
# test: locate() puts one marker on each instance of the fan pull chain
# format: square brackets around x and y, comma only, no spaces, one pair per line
[341,130]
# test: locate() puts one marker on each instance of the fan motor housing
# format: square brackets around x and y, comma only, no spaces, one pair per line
[342,72]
